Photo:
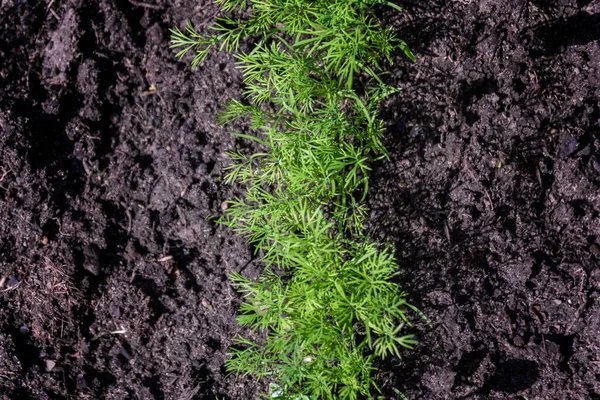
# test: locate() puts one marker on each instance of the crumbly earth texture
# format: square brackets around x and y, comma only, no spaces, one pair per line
[113,272]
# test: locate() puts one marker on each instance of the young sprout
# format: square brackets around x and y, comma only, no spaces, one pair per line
[328,301]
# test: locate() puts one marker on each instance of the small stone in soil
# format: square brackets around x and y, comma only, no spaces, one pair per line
[572,145]
[91,262]
[80,382]
[12,282]
[50,365]
[518,341]
[597,164]
[114,310]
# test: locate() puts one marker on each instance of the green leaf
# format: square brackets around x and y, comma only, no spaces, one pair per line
[404,47]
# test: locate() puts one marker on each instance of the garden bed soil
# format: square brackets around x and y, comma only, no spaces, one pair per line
[113,273]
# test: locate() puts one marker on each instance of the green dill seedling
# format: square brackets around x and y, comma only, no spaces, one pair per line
[343,35]
[327,300]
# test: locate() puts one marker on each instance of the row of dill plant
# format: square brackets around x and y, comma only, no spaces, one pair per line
[327,302]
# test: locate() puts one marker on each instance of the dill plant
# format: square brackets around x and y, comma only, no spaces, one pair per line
[327,300]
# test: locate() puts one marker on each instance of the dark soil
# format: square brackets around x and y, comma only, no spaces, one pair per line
[113,275]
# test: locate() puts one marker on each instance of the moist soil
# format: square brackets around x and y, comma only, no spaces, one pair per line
[113,272]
